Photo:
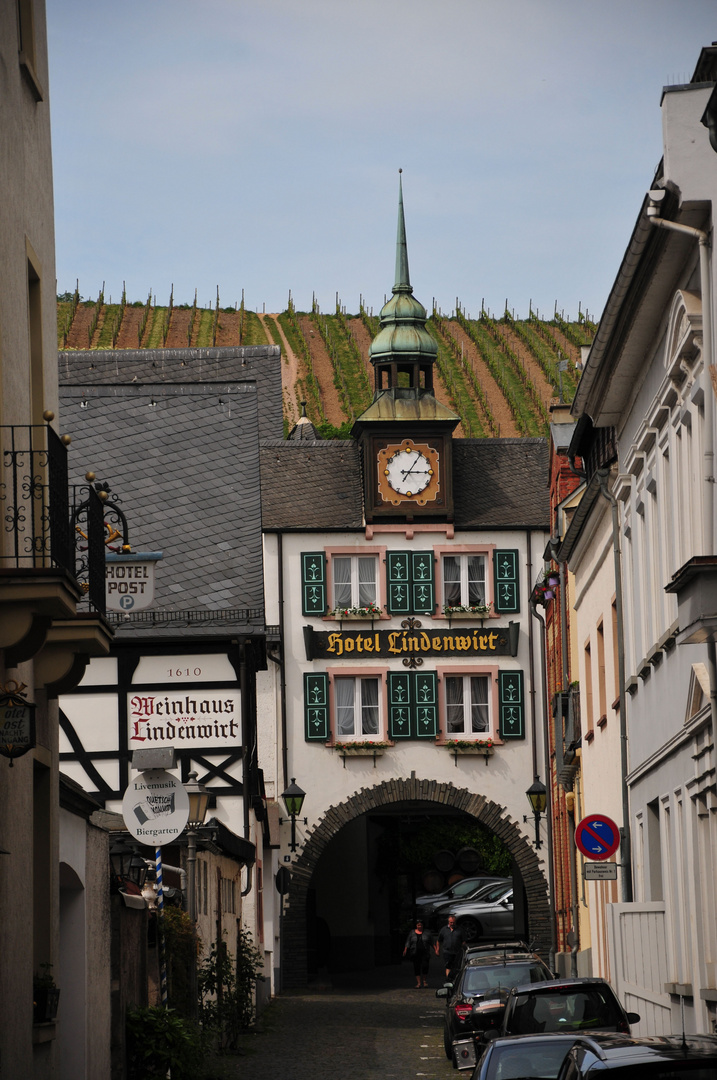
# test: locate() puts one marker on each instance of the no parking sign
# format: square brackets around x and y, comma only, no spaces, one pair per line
[597,836]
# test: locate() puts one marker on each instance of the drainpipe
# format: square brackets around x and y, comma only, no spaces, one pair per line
[531,662]
[246,776]
[549,787]
[625,842]
[282,666]
[570,798]
[653,213]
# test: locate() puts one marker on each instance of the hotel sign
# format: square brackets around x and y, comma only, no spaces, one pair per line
[129,580]
[195,717]
[400,644]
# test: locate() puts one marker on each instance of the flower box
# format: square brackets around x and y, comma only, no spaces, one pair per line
[467,613]
[355,614]
[361,749]
[463,748]
[46,1000]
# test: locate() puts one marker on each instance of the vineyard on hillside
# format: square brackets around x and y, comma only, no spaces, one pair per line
[499,374]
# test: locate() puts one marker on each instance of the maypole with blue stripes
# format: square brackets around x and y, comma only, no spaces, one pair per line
[160,929]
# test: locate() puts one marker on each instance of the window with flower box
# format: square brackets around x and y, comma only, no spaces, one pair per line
[468,711]
[356,708]
[353,581]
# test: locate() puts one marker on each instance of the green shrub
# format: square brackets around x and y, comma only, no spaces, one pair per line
[159,1040]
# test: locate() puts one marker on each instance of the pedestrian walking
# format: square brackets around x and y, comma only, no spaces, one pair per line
[418,949]
[450,943]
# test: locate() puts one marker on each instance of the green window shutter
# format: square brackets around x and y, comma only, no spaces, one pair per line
[511,705]
[399,705]
[398,569]
[411,586]
[313,583]
[316,706]
[423,587]
[426,705]
[505,580]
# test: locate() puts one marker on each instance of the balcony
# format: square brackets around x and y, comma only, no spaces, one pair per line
[51,587]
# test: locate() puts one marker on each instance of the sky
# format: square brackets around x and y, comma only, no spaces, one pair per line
[255,146]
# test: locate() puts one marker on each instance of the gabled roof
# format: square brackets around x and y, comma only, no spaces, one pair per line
[501,483]
[311,485]
[143,366]
[183,458]
[497,484]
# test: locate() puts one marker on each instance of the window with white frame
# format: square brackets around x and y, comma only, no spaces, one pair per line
[467,705]
[354,580]
[464,580]
[357,710]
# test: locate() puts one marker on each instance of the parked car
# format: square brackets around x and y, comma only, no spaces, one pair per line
[525,1056]
[442,910]
[475,1002]
[653,1057]
[461,890]
[565,1005]
[490,917]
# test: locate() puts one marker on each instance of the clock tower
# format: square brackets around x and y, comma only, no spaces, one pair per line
[406,434]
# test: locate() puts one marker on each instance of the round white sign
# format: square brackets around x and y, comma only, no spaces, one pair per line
[155,807]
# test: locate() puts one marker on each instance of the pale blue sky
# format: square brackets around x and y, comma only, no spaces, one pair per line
[257,145]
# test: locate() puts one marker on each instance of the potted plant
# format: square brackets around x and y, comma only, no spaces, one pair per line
[468,747]
[46,995]
[367,611]
[467,611]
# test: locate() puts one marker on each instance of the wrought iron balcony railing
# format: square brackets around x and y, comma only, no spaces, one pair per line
[38,525]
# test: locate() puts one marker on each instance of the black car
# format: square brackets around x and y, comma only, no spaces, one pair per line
[476,1000]
[565,1005]
[539,1056]
[677,1057]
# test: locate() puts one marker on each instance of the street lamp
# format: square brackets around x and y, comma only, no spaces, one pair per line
[293,801]
[537,797]
[198,803]
[126,865]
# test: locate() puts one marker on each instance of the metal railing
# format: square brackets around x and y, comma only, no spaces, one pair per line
[39,529]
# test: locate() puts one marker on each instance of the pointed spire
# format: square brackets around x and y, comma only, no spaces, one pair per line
[403,280]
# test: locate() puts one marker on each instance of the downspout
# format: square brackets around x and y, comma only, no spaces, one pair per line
[702,238]
[625,842]
[282,666]
[549,787]
[575,947]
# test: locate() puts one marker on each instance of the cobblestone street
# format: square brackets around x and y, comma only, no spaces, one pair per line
[364,1027]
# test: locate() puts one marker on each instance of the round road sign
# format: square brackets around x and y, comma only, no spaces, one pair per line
[155,807]
[597,836]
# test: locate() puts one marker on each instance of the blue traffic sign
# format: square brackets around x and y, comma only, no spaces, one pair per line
[597,836]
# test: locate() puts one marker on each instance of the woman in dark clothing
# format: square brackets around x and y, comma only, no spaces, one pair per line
[418,948]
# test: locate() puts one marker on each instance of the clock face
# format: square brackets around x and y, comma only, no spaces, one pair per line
[408,472]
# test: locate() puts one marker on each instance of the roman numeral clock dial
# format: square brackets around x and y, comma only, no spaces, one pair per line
[408,472]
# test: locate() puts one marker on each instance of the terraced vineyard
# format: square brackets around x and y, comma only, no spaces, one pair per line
[499,374]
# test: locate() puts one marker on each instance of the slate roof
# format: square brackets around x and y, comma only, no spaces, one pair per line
[144,366]
[501,483]
[311,485]
[497,484]
[183,457]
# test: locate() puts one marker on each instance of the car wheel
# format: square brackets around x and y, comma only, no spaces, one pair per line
[470,928]
[447,1045]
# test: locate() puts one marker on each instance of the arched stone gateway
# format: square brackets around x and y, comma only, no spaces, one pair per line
[388,794]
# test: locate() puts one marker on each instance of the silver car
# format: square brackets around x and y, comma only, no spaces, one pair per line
[466,889]
[489,918]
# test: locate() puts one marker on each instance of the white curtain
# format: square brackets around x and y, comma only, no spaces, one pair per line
[476,579]
[454,705]
[369,706]
[344,690]
[367,581]
[451,581]
[342,582]
[479,703]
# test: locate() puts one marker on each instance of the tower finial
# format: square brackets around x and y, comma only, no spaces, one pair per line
[403,280]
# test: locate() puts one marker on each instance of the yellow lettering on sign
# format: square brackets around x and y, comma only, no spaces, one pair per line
[335,644]
[436,643]
[349,645]
[393,643]
[492,638]
[448,644]
[463,644]
[425,642]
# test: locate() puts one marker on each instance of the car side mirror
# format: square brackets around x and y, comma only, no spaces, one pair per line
[490,1034]
[633,1018]
[444,991]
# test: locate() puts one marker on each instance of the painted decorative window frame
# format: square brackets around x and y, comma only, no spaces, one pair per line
[357,672]
[487,550]
[491,670]
[379,552]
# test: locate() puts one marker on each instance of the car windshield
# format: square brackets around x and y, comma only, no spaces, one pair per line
[462,888]
[477,980]
[493,893]
[566,1010]
[516,1062]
